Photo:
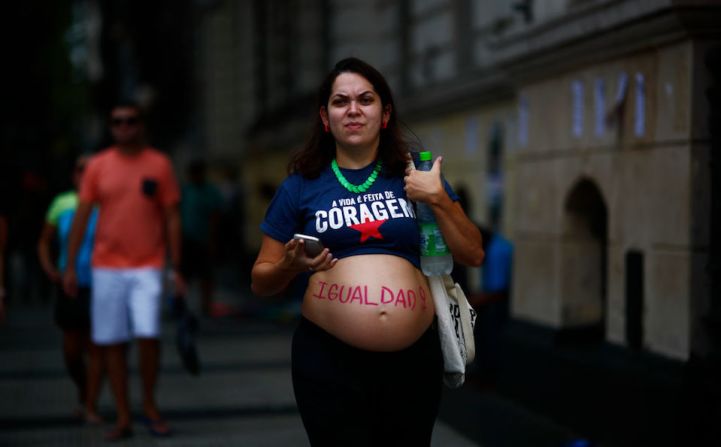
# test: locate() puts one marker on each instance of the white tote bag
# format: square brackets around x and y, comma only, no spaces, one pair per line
[456,319]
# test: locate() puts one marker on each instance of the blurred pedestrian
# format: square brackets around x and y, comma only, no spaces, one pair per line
[232,220]
[3,245]
[366,362]
[72,314]
[492,304]
[33,195]
[135,187]
[200,208]
[8,193]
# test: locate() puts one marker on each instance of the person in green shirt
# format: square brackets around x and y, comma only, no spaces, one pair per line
[72,314]
[200,210]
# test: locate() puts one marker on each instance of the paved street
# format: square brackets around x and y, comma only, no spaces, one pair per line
[243,396]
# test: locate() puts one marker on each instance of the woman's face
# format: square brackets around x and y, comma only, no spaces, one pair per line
[354,112]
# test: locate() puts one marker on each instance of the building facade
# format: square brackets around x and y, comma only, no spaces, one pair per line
[579,129]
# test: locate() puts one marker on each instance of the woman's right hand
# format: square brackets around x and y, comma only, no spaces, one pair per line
[296,259]
[278,263]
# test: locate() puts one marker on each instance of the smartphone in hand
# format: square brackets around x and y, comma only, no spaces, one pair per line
[313,245]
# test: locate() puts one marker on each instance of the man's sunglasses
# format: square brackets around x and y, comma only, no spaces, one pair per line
[130,121]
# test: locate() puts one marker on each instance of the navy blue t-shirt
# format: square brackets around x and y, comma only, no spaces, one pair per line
[379,221]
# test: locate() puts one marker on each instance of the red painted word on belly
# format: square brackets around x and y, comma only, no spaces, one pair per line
[358,294]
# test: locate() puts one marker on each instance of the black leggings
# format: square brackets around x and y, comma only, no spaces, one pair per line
[351,397]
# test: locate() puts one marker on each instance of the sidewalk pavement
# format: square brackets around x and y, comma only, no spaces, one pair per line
[242,397]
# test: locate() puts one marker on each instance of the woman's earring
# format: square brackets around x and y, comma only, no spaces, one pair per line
[385,124]
[326,128]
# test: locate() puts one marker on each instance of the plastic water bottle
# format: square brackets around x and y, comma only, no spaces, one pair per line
[436,258]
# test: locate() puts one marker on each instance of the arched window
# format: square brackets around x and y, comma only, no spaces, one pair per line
[584,258]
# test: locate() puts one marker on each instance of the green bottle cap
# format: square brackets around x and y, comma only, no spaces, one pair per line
[426,156]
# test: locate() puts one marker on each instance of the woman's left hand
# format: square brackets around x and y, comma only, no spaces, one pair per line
[425,186]
[461,235]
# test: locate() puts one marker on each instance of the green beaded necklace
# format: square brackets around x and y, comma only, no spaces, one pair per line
[363,187]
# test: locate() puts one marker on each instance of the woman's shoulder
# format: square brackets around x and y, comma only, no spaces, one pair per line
[290,186]
[292,181]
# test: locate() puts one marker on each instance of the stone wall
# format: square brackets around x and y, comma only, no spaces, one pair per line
[642,171]
[600,109]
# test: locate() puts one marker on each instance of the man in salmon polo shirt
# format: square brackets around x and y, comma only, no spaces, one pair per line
[135,188]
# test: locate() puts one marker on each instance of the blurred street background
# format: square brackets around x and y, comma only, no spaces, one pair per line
[583,134]
[243,395]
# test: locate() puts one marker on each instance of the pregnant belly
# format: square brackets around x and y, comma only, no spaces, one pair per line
[373,302]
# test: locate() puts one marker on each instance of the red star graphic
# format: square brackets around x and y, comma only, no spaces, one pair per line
[369,229]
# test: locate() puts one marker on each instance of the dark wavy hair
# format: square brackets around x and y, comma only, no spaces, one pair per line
[319,149]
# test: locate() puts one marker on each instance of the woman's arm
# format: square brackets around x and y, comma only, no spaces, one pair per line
[277,264]
[77,231]
[46,237]
[461,235]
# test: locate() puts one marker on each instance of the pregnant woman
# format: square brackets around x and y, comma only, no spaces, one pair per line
[366,361]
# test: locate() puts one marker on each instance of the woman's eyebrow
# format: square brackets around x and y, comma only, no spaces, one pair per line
[347,95]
